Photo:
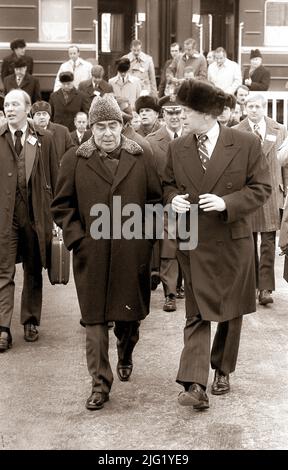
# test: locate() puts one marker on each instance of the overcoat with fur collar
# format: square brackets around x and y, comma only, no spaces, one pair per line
[112,275]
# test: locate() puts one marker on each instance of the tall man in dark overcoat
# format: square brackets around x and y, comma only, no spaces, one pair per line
[223,172]
[27,180]
[112,272]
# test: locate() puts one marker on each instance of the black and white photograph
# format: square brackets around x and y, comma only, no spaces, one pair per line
[144,228]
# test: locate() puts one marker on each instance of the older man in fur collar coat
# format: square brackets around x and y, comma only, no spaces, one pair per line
[105,176]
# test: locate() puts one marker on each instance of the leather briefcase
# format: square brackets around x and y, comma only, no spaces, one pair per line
[59,269]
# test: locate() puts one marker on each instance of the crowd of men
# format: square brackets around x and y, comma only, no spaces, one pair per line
[201,140]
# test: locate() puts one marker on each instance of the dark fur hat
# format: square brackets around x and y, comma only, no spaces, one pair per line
[123,65]
[66,77]
[41,106]
[20,62]
[255,53]
[230,101]
[17,43]
[202,97]
[147,102]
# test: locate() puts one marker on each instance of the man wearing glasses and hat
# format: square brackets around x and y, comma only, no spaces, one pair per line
[159,141]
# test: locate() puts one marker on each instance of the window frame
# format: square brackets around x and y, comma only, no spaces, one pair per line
[64,41]
[268,42]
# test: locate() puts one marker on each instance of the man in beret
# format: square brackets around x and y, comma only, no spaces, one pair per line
[111,271]
[18,47]
[95,85]
[22,79]
[124,84]
[159,141]
[67,102]
[256,77]
[41,113]
[220,174]
[80,68]
[148,109]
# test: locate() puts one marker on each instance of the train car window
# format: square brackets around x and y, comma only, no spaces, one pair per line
[276,23]
[54,20]
[112,32]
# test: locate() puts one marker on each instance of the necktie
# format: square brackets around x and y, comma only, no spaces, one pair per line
[18,80]
[175,135]
[202,150]
[18,144]
[257,132]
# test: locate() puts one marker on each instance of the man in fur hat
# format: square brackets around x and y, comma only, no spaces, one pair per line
[256,77]
[222,173]
[22,79]
[148,109]
[18,48]
[111,271]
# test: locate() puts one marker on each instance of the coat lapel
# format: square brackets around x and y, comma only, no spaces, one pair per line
[188,155]
[30,155]
[223,153]
[163,139]
[96,164]
[271,129]
[127,161]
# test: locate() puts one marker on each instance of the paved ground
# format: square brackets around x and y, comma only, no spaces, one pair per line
[44,385]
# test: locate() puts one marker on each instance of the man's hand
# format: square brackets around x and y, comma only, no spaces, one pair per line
[179,203]
[248,81]
[211,202]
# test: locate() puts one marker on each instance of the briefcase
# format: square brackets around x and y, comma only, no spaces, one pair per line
[59,269]
[285,273]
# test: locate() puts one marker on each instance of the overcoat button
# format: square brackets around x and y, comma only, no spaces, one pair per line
[229,185]
[9,174]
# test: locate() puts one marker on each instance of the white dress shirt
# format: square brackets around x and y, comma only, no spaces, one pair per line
[23,137]
[211,141]
[261,127]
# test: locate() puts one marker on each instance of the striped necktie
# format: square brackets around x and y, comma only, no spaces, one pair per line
[202,150]
[257,132]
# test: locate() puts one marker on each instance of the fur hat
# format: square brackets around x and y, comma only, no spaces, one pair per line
[169,101]
[65,77]
[202,97]
[20,62]
[17,43]
[147,102]
[41,106]
[123,65]
[230,101]
[255,53]
[104,108]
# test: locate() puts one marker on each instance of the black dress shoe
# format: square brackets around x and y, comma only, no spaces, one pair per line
[195,396]
[170,303]
[5,341]
[265,297]
[220,384]
[180,294]
[124,371]
[30,332]
[96,400]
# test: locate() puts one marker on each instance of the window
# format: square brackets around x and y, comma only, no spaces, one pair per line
[54,20]
[112,32]
[276,23]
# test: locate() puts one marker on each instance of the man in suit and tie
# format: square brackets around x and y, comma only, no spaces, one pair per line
[22,79]
[96,85]
[222,173]
[266,220]
[159,141]
[81,134]
[27,180]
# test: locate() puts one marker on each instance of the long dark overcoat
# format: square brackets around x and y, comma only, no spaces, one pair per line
[41,195]
[64,112]
[221,268]
[112,275]
[29,83]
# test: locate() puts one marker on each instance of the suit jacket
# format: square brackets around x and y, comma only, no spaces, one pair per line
[29,84]
[8,65]
[162,83]
[75,140]
[64,113]
[260,78]
[62,138]
[88,89]
[222,262]
[267,217]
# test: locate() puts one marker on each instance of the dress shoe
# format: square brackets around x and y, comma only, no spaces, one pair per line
[5,341]
[124,371]
[180,294]
[265,297]
[220,384]
[96,400]
[195,396]
[30,332]
[170,303]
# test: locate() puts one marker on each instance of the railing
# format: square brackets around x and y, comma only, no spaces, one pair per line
[277,104]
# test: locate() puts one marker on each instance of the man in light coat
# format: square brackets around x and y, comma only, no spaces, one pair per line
[221,172]
[266,220]
[142,66]
[80,68]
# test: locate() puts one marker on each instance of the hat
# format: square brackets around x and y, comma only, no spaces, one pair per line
[104,108]
[230,101]
[169,101]
[147,102]
[17,43]
[123,65]
[19,63]
[41,106]
[65,77]
[202,97]
[255,53]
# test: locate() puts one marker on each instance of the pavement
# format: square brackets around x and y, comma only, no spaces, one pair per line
[44,385]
